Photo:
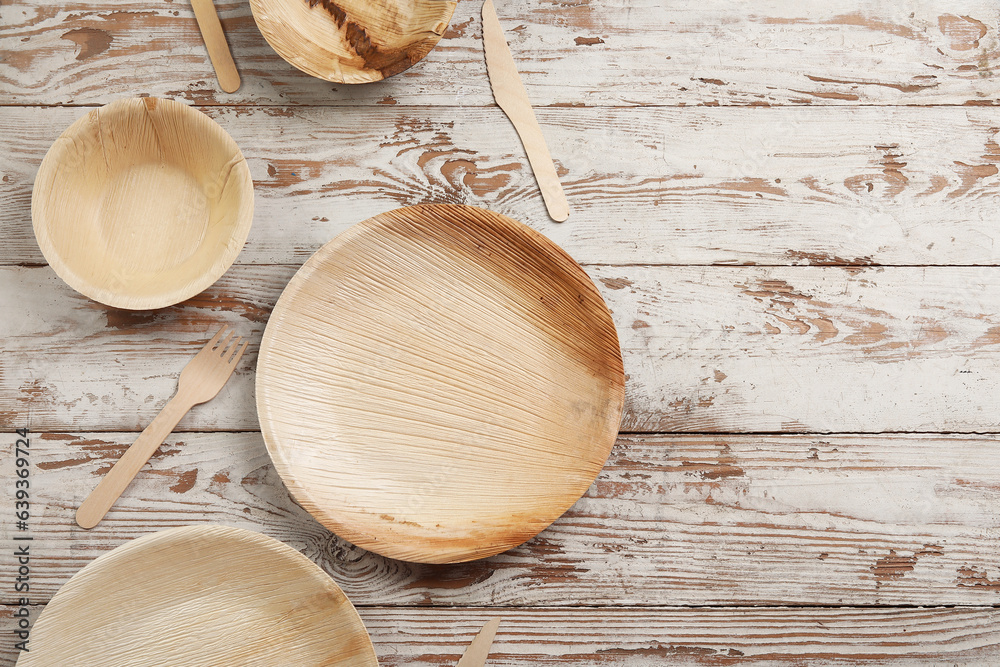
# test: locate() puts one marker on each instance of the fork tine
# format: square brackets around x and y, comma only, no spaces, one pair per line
[231,347]
[239,353]
[225,343]
[215,339]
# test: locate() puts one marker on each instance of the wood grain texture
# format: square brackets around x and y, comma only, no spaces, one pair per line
[655,186]
[621,52]
[855,163]
[199,595]
[439,383]
[352,41]
[695,636]
[721,349]
[671,520]
[776,637]
[142,203]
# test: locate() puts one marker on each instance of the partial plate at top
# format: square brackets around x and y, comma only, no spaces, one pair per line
[352,41]
[439,383]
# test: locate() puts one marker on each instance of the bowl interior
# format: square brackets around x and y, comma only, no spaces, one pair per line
[352,41]
[142,203]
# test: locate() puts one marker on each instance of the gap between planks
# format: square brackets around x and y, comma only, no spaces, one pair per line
[641,607]
[713,434]
[649,265]
[648,608]
[364,105]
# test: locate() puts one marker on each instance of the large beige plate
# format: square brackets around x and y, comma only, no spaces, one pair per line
[200,595]
[352,41]
[142,203]
[439,383]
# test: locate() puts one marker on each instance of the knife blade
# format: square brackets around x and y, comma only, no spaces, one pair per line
[510,94]
[479,649]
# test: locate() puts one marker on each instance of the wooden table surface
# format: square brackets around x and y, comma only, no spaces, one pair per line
[791,209]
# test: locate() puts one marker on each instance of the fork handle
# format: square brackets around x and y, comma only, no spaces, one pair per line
[100,500]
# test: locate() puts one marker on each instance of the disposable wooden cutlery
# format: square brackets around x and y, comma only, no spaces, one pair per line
[509,92]
[215,42]
[479,649]
[199,382]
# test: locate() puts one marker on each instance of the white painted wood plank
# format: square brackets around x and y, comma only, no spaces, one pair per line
[639,637]
[807,349]
[620,52]
[673,520]
[650,186]
[721,349]
[679,520]
[643,637]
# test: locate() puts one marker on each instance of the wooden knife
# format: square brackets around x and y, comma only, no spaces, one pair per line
[479,649]
[509,92]
[215,41]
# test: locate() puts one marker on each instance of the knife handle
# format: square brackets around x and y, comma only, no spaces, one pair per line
[541,163]
[215,42]
[479,649]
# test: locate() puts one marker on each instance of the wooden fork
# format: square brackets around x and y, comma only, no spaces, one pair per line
[200,381]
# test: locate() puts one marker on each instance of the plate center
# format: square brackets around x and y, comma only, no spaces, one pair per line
[153,216]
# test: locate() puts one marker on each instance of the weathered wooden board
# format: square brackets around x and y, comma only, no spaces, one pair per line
[877,149]
[707,349]
[671,520]
[781,636]
[654,186]
[622,52]
[640,637]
